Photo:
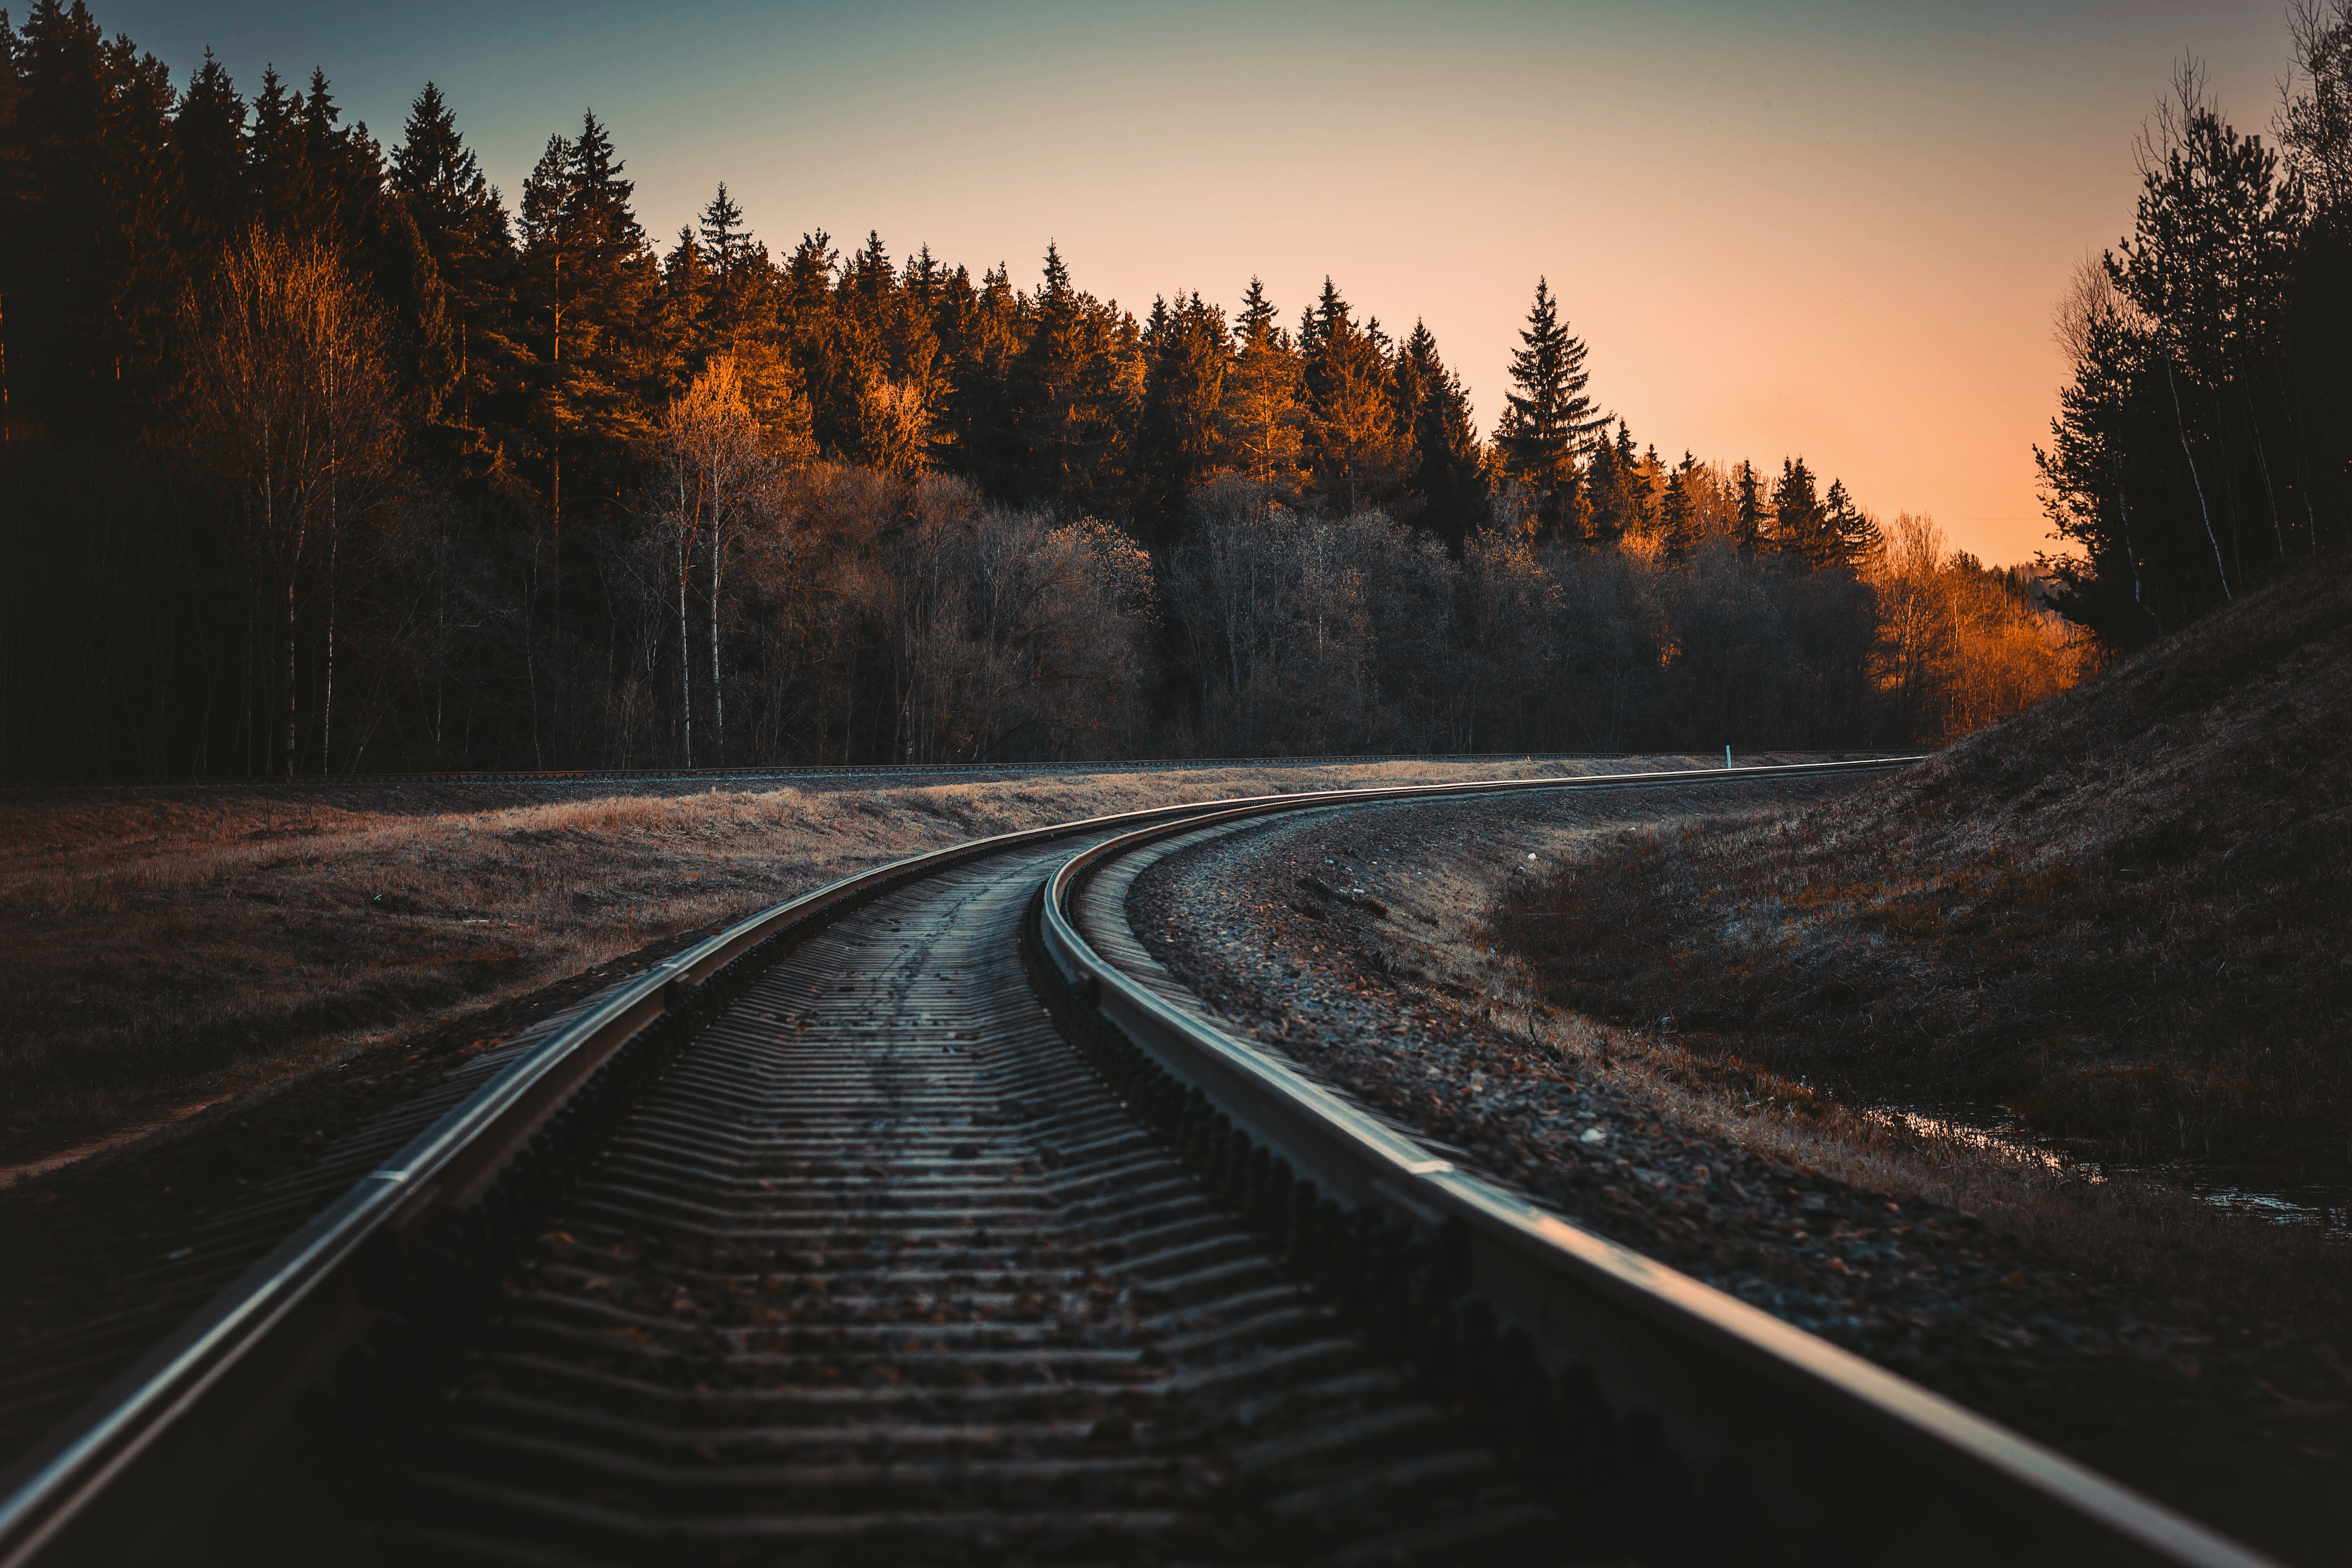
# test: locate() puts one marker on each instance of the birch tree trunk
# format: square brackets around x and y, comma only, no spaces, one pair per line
[2180,425]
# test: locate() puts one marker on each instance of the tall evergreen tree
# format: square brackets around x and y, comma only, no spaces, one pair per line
[1750,515]
[725,238]
[1261,415]
[1616,490]
[88,197]
[1256,318]
[1550,421]
[2214,234]
[1678,511]
[1800,524]
[1072,397]
[463,225]
[1351,436]
[1185,387]
[208,133]
[1854,531]
[1447,470]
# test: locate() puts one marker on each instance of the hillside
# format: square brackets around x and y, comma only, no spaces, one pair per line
[2122,915]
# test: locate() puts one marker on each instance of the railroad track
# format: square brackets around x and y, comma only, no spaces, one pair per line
[916,1220]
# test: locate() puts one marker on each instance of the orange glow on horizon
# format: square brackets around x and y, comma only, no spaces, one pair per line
[1823,229]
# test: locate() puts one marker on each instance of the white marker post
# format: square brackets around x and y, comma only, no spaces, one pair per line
[1726,756]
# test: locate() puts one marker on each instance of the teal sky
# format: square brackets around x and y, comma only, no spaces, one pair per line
[1834,229]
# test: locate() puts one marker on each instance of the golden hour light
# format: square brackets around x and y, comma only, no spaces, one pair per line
[1039,784]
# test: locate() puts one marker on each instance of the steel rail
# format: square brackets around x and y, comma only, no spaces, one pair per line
[209,1375]
[1826,1434]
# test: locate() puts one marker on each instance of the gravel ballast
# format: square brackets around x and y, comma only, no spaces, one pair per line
[1347,941]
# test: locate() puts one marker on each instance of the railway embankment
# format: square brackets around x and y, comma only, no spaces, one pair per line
[2118,921]
[2183,1350]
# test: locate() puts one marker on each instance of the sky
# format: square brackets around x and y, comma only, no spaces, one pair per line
[1832,230]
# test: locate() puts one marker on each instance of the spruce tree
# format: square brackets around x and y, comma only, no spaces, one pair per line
[1446,468]
[725,239]
[1183,389]
[1255,319]
[589,286]
[687,285]
[1550,420]
[209,132]
[925,279]
[1351,435]
[1854,531]
[1748,519]
[1066,399]
[1261,416]
[463,225]
[1678,511]
[1801,525]
[1616,490]
[93,283]
[277,157]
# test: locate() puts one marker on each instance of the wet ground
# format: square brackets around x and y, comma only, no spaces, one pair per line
[2266,1194]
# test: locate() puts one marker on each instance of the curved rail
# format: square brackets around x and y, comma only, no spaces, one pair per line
[280,1322]
[1913,1477]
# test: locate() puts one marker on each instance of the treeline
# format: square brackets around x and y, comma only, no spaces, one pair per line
[321,456]
[2206,437]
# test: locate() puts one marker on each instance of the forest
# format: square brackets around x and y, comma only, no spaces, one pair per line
[318,456]
[2204,440]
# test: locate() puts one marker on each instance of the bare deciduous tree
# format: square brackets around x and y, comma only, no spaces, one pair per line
[714,468]
[289,401]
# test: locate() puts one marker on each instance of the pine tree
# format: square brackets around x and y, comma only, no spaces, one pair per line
[990,329]
[1446,467]
[589,283]
[1068,406]
[1854,531]
[93,282]
[1261,416]
[276,155]
[1255,319]
[1550,420]
[1678,511]
[1616,490]
[1748,519]
[688,285]
[925,279]
[1350,426]
[463,225]
[1800,524]
[209,134]
[722,233]
[311,176]
[1185,387]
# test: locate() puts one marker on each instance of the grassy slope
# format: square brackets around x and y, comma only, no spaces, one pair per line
[2123,914]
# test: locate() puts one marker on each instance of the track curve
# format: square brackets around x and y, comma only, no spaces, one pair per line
[843,1254]
[882,1271]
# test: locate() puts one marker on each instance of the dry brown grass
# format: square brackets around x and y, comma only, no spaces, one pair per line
[2124,915]
[2106,1225]
[159,948]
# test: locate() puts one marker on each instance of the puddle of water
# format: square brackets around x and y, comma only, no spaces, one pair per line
[2001,1142]
[2259,1195]
[2324,1208]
